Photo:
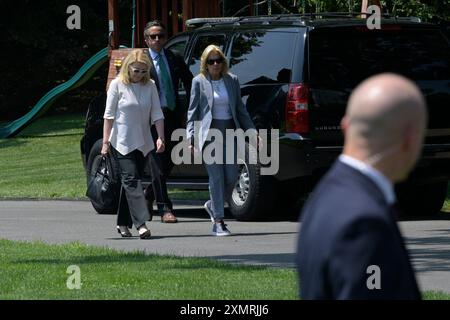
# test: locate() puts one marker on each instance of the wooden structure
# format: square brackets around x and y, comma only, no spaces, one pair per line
[366,3]
[173,13]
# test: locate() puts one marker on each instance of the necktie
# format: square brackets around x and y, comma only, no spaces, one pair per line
[167,83]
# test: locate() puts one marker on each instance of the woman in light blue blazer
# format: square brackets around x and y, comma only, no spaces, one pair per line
[216,104]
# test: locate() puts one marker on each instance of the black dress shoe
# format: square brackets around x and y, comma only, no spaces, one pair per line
[124,231]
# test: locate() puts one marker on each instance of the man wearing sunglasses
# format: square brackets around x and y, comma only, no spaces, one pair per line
[167,70]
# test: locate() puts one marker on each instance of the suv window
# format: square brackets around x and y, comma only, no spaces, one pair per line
[200,44]
[263,56]
[179,47]
[416,54]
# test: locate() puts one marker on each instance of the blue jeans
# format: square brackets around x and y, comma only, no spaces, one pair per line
[222,177]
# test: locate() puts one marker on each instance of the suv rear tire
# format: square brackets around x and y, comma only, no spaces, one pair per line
[92,163]
[253,196]
[423,200]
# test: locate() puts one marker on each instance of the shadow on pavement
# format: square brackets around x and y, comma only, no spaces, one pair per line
[200,213]
[276,260]
[430,253]
[285,260]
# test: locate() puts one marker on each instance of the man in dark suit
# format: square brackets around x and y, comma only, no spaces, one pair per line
[167,70]
[350,246]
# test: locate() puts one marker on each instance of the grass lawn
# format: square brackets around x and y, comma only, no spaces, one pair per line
[34,270]
[44,162]
[446,206]
[39,271]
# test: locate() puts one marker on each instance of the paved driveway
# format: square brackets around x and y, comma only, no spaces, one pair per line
[270,243]
[267,243]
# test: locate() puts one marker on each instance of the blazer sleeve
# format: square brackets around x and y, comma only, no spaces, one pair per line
[155,111]
[368,255]
[192,113]
[241,112]
[112,100]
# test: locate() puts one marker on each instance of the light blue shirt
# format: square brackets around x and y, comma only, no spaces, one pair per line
[162,89]
[373,174]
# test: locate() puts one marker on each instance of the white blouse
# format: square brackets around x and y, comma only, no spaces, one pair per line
[221,108]
[134,107]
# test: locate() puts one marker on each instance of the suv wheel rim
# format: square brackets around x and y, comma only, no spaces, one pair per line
[242,188]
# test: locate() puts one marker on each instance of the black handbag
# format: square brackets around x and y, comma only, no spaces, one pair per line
[104,187]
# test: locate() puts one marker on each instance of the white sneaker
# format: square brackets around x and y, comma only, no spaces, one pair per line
[220,229]
[208,209]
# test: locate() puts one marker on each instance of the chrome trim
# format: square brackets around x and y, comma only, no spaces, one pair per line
[293,136]
[437,155]
[435,148]
[331,148]
[188,185]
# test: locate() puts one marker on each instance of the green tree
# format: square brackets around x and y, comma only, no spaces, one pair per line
[428,10]
[40,52]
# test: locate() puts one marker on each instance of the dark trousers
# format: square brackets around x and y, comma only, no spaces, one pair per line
[132,204]
[163,161]
[158,186]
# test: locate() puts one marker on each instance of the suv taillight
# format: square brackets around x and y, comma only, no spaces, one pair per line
[297,113]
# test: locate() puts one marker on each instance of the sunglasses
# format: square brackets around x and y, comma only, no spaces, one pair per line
[160,36]
[138,71]
[212,61]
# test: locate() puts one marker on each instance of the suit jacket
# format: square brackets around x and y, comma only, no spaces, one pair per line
[202,100]
[178,71]
[346,227]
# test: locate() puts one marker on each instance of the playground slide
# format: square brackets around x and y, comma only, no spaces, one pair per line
[83,75]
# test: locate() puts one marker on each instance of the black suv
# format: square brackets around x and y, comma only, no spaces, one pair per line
[296,74]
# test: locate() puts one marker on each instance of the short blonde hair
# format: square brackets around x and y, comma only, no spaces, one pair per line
[137,55]
[205,55]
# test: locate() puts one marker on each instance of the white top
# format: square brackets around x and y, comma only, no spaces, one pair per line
[373,174]
[133,107]
[221,108]
[162,89]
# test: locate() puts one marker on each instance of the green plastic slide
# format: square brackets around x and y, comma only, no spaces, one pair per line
[83,75]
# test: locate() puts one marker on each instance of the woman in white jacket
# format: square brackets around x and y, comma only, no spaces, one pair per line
[132,104]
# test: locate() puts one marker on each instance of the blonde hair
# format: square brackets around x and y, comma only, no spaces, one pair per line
[205,55]
[137,55]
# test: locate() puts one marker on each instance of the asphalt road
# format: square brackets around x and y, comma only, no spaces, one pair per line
[263,243]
